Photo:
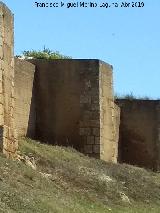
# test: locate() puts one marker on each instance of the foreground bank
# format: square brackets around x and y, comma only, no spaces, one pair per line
[65,180]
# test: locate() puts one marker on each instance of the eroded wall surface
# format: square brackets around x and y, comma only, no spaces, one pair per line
[116,124]
[8,135]
[24,98]
[89,122]
[109,115]
[139,133]
[68,105]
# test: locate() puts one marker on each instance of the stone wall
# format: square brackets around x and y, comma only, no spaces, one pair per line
[89,123]
[64,102]
[158,135]
[139,133]
[7,132]
[24,98]
[116,122]
[68,106]
[70,103]
[57,102]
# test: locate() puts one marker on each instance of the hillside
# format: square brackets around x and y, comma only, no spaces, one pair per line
[67,181]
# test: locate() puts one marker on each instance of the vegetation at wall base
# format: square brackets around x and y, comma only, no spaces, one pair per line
[67,181]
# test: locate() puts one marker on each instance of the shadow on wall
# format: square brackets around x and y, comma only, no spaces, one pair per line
[55,101]
[31,127]
[138,139]
[25,98]
[133,150]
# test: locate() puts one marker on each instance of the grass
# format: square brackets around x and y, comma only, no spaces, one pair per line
[66,181]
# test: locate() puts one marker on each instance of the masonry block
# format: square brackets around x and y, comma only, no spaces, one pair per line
[96,149]
[90,139]
[85,131]
[88,149]
[97,140]
[96,131]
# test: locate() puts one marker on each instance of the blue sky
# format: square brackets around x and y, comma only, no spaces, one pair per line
[127,38]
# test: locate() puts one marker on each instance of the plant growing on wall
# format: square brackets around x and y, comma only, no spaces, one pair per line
[131,96]
[46,53]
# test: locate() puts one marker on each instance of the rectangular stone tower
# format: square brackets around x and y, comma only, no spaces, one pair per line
[7,132]
[75,106]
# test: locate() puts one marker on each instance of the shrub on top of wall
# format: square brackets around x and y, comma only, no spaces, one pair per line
[131,97]
[46,53]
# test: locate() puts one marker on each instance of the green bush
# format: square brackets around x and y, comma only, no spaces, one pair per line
[46,53]
[131,96]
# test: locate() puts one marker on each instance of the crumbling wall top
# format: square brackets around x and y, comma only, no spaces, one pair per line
[5,8]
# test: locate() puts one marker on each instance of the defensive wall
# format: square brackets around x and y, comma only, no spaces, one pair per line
[68,102]
[64,102]
[139,139]
[71,102]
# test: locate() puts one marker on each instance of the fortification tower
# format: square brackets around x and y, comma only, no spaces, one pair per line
[8,138]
